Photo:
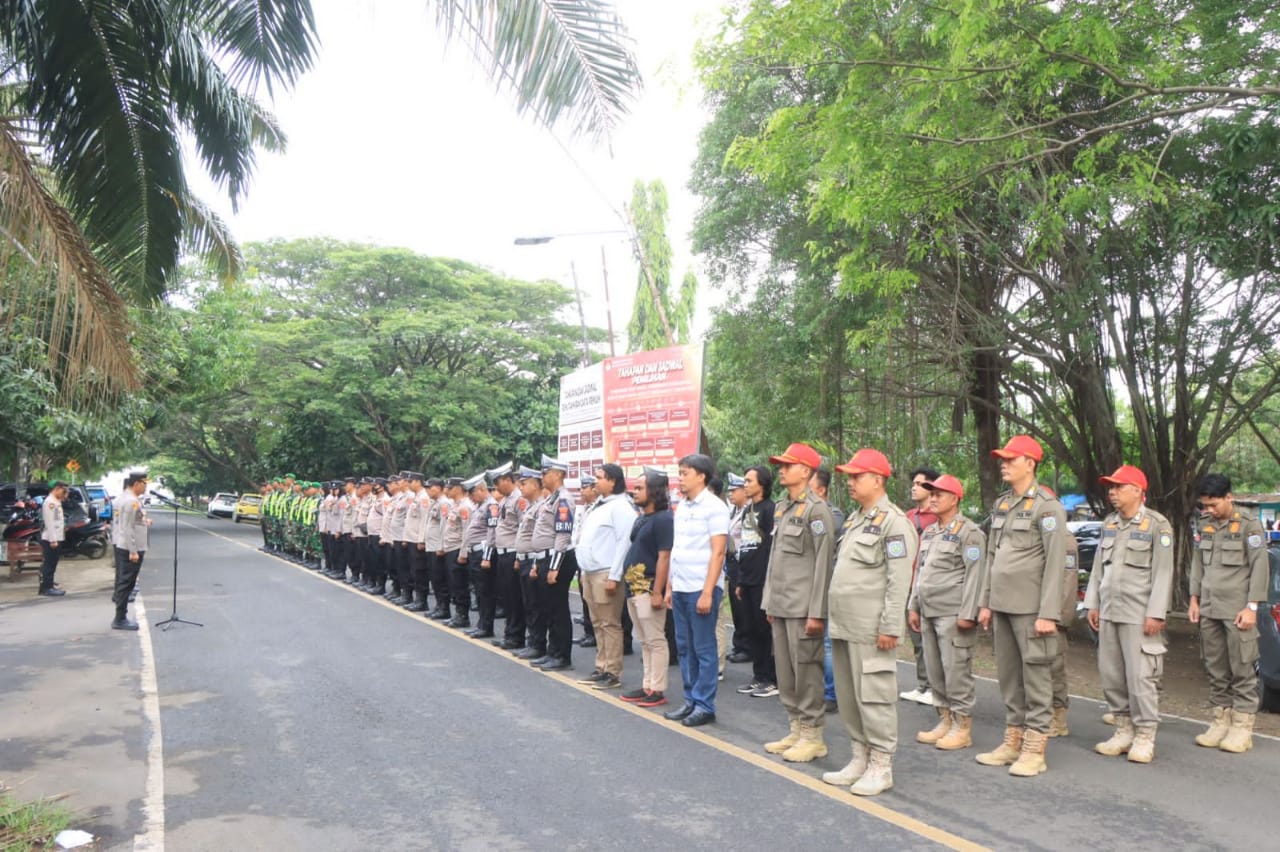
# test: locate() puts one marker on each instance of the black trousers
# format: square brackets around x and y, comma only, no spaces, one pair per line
[554,597]
[535,614]
[439,580]
[759,635]
[741,642]
[126,578]
[48,564]
[381,560]
[509,585]
[459,588]
[402,572]
[419,573]
[482,580]
[326,548]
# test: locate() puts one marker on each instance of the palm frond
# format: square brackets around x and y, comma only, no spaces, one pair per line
[267,40]
[86,323]
[568,59]
[206,235]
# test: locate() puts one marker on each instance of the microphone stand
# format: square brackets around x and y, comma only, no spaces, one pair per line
[173,615]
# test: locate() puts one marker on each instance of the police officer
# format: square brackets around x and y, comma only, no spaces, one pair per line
[433,544]
[868,602]
[477,546]
[554,564]
[795,601]
[943,610]
[455,525]
[52,533]
[1127,598]
[534,614]
[129,536]
[1228,582]
[409,568]
[1021,597]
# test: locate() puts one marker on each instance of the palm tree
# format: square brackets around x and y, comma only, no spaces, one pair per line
[96,94]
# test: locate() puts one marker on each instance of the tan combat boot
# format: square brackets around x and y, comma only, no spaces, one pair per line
[939,730]
[1121,741]
[1005,753]
[852,771]
[960,736]
[1218,728]
[878,777]
[779,746]
[1030,762]
[1108,718]
[1058,727]
[1239,738]
[1143,749]
[809,747]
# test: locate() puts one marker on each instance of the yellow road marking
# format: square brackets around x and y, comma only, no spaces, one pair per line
[837,794]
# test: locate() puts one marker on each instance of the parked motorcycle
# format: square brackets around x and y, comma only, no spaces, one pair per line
[87,538]
[20,541]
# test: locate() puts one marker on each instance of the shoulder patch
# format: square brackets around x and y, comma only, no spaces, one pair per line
[1254,541]
[1071,561]
[895,546]
[1165,539]
[817,527]
[972,553]
[1048,523]
[523,504]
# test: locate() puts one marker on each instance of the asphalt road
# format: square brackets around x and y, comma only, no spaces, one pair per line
[304,714]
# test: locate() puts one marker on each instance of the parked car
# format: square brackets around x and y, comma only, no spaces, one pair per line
[222,505]
[100,499]
[248,507]
[1269,637]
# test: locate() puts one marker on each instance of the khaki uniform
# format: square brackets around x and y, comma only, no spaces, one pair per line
[1131,581]
[795,590]
[1026,556]
[1070,597]
[952,566]
[868,597]
[1228,570]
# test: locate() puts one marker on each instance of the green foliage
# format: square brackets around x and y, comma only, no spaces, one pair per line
[31,826]
[658,319]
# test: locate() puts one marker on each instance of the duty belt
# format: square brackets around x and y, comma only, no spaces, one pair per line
[538,554]
[502,551]
[476,548]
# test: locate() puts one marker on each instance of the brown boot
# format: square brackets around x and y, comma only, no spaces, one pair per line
[779,746]
[1005,753]
[960,736]
[878,777]
[809,747]
[1030,762]
[1058,727]
[1121,740]
[939,730]
[1239,738]
[1143,749]
[1218,728]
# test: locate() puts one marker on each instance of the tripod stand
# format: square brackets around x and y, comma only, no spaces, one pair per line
[173,614]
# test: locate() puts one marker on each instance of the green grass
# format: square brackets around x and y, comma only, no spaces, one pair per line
[29,826]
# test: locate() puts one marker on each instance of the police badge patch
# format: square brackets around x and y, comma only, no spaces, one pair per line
[817,526]
[1165,539]
[895,546]
[972,553]
[1048,523]
[1254,541]
[1071,561]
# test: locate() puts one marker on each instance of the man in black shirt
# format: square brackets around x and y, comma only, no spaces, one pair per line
[753,565]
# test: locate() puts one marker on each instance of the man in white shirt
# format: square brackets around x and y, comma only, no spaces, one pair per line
[52,535]
[694,593]
[602,547]
[129,534]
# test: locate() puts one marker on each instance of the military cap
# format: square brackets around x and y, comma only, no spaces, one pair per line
[452,481]
[586,480]
[548,463]
[505,469]
[381,481]
[290,476]
[734,481]
[350,479]
[435,480]
[530,473]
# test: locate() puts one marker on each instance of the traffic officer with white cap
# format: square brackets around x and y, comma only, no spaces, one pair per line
[555,568]
[534,614]
[477,545]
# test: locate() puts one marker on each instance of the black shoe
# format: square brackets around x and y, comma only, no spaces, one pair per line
[698,718]
[577,619]
[592,678]
[538,662]
[416,606]
[627,650]
[398,600]
[480,634]
[607,682]
[458,623]
[441,615]
[506,644]
[376,592]
[529,653]
[739,657]
[587,642]
[51,592]
[556,665]
[680,712]
[748,688]
[124,624]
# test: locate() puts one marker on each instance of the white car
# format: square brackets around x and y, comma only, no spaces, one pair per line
[222,505]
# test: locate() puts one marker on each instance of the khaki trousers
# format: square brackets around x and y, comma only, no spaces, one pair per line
[866,692]
[1061,697]
[606,618]
[1229,654]
[948,659]
[651,629]
[724,630]
[1130,665]
[1023,664]
[801,676]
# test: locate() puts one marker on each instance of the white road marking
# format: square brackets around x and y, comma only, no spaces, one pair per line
[152,837]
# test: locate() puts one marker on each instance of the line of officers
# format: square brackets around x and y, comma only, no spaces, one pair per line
[434,535]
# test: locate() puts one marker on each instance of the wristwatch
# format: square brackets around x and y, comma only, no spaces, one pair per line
[1253,605]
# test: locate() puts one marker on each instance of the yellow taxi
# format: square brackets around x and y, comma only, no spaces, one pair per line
[248,507]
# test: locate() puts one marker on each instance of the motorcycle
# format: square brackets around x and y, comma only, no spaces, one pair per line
[87,538]
[20,541]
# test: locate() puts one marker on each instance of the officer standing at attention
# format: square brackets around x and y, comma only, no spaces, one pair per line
[506,578]
[455,565]
[52,534]
[478,545]
[556,567]
[795,602]
[129,535]
[943,609]
[1228,582]
[433,546]
[1021,602]
[534,615]
[379,547]
[868,602]
[1128,597]
[409,569]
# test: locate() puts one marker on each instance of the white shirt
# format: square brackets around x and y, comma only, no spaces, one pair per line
[51,512]
[696,521]
[606,535]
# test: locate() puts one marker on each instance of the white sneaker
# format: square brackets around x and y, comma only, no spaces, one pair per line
[927,698]
[913,695]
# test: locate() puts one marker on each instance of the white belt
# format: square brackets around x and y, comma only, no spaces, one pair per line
[538,554]
[477,548]
[502,551]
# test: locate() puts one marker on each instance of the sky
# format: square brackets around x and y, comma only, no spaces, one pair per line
[396,139]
